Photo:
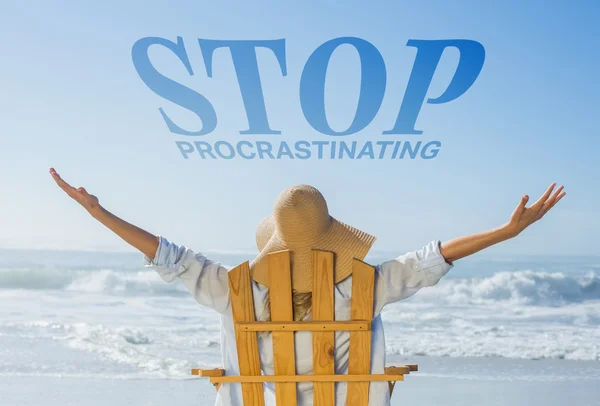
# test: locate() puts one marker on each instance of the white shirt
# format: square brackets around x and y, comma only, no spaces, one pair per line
[208,282]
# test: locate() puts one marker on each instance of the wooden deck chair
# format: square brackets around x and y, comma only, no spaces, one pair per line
[323,327]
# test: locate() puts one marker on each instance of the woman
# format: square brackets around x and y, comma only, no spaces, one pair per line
[301,222]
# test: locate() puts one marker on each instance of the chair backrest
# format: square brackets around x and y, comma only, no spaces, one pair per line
[323,327]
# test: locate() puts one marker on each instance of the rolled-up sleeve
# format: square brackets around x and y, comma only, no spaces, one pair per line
[206,280]
[403,276]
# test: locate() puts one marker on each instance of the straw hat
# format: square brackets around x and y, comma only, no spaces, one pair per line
[300,222]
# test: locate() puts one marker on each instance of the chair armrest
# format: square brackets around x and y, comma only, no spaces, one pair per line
[208,372]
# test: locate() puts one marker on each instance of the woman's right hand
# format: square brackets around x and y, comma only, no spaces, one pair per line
[80,195]
[141,239]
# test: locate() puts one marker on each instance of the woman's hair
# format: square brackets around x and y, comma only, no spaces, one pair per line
[301,302]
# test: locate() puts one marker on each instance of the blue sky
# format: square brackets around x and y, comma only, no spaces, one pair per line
[72,99]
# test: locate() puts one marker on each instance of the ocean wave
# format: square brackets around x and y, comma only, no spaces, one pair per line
[529,288]
[103,281]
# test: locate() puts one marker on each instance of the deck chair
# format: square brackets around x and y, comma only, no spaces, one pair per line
[323,326]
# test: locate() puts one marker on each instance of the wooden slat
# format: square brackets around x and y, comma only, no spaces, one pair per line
[323,342]
[391,385]
[355,325]
[319,379]
[242,305]
[397,370]
[208,372]
[359,363]
[280,282]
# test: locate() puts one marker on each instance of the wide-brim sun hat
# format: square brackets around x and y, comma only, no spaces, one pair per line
[300,222]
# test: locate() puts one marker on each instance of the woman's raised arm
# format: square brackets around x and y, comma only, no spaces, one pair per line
[144,241]
[522,217]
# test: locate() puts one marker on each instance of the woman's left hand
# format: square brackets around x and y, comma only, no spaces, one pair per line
[522,217]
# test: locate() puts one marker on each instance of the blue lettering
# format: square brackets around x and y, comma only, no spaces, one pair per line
[243,54]
[189,148]
[411,152]
[350,152]
[304,147]
[284,149]
[241,153]
[218,145]
[429,52]
[264,147]
[434,152]
[372,85]
[171,90]
[204,147]
[366,150]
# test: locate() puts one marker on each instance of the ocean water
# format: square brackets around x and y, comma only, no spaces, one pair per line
[100,315]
